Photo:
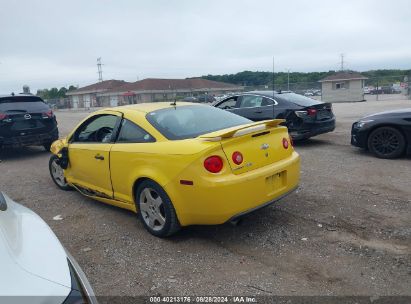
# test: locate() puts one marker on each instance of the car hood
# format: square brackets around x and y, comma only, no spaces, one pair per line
[32,260]
[391,113]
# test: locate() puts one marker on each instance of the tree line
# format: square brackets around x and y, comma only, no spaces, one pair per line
[249,78]
[55,93]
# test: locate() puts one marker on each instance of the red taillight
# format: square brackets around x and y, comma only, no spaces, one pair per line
[3,116]
[285,143]
[237,158]
[312,112]
[213,164]
[48,114]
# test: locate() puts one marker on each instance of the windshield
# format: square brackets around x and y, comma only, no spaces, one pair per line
[298,99]
[184,122]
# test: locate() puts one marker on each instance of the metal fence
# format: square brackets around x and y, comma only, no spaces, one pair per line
[375,88]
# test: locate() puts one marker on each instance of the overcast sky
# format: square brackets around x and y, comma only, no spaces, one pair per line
[51,43]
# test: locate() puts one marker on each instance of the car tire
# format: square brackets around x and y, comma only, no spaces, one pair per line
[56,175]
[386,142]
[155,209]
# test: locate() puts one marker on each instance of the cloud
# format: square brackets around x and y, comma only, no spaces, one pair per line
[54,43]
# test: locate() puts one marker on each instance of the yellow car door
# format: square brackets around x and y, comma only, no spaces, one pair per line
[89,154]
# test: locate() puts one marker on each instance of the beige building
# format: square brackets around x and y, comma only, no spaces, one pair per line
[113,93]
[88,96]
[343,87]
[153,89]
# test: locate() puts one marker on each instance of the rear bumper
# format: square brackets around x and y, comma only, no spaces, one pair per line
[29,140]
[218,199]
[312,129]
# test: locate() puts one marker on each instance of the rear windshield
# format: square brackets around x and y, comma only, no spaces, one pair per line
[22,103]
[298,99]
[184,122]
[20,99]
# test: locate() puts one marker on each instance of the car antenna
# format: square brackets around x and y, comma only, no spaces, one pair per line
[174,103]
[273,90]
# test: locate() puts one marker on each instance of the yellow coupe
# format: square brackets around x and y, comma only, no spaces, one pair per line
[177,164]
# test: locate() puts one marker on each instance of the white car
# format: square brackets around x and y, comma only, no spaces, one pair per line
[35,267]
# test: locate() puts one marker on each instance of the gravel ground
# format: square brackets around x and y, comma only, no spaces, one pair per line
[346,231]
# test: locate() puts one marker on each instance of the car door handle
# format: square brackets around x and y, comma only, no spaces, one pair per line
[258,112]
[98,156]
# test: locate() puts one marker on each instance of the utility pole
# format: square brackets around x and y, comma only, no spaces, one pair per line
[288,80]
[342,62]
[99,70]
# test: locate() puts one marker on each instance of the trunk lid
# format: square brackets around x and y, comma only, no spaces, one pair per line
[260,144]
[323,111]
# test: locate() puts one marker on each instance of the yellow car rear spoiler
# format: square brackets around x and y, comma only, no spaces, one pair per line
[248,128]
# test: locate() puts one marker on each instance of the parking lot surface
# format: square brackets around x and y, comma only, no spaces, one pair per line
[346,231]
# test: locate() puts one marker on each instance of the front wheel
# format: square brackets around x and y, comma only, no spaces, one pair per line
[156,210]
[57,174]
[386,142]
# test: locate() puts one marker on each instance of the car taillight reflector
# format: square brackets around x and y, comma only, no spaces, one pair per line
[3,116]
[312,112]
[285,143]
[237,157]
[213,164]
[48,114]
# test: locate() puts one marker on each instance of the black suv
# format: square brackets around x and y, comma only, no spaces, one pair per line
[26,120]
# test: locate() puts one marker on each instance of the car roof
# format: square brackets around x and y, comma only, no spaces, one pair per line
[268,93]
[17,95]
[152,106]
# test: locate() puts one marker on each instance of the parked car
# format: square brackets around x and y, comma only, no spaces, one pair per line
[190,99]
[367,90]
[207,98]
[26,120]
[171,165]
[386,134]
[305,117]
[35,267]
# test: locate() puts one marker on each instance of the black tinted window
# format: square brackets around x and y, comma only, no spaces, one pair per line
[184,122]
[298,99]
[131,133]
[20,99]
[25,103]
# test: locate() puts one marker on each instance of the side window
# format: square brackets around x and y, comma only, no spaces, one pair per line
[131,133]
[230,103]
[266,102]
[251,101]
[98,129]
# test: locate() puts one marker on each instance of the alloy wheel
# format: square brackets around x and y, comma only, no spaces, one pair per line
[152,209]
[58,174]
[385,142]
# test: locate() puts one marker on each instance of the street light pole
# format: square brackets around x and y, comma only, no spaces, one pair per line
[288,80]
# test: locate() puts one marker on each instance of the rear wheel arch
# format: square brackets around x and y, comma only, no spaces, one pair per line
[171,224]
[137,183]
